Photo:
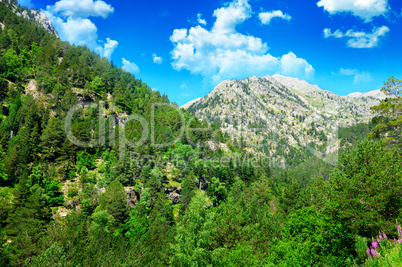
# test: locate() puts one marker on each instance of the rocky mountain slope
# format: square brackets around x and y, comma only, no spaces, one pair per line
[280,116]
[33,15]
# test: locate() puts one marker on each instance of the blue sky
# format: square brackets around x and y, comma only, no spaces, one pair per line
[185,48]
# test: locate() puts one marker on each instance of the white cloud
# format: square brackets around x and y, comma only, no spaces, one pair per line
[293,66]
[200,20]
[75,30]
[365,9]
[27,3]
[228,17]
[130,66]
[81,8]
[157,60]
[178,35]
[70,19]
[108,48]
[266,17]
[359,39]
[358,76]
[223,53]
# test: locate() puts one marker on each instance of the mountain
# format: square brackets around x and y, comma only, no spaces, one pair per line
[37,17]
[282,117]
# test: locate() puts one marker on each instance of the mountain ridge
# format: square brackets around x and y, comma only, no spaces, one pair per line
[279,116]
[300,85]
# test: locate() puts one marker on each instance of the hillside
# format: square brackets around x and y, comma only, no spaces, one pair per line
[277,114]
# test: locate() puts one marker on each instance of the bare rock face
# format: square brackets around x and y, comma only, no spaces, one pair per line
[132,196]
[173,194]
[41,19]
[32,89]
[72,203]
[175,197]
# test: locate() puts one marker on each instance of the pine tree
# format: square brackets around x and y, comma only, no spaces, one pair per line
[389,111]
[189,185]
[114,200]
[160,232]
[52,138]
[368,188]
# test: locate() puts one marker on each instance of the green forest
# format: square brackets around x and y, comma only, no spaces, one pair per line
[182,204]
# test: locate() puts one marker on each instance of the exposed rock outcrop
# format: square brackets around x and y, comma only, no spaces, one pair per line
[32,89]
[173,194]
[132,196]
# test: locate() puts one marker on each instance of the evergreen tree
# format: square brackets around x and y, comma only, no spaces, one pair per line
[52,138]
[189,185]
[389,111]
[160,233]
[368,188]
[114,200]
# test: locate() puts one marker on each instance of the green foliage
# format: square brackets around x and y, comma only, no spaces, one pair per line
[161,232]
[114,200]
[389,111]
[52,138]
[311,238]
[187,193]
[85,160]
[389,257]
[368,188]
[53,256]
[25,227]
[102,222]
[13,63]
[137,225]
[192,239]
[361,248]
[318,193]
[217,190]
[4,257]
[106,168]
[3,175]
[52,189]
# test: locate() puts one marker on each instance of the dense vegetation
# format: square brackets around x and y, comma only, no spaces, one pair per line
[66,205]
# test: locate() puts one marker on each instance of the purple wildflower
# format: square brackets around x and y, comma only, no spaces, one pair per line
[374,253]
[368,252]
[374,244]
[385,236]
[380,237]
